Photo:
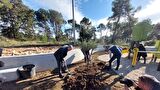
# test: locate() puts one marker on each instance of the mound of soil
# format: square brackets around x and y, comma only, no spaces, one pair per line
[85,77]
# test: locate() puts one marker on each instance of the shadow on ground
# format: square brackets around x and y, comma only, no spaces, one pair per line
[140,69]
[44,83]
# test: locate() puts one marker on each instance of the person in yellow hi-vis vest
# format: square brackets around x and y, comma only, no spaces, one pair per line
[157,46]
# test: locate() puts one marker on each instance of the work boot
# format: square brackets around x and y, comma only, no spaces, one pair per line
[69,73]
[116,69]
[108,67]
[61,76]
[64,71]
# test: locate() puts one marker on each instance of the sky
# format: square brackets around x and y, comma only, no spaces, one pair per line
[96,10]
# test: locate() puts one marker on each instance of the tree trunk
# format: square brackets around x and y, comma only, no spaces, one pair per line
[57,36]
[87,55]
[129,21]
[101,34]
[113,37]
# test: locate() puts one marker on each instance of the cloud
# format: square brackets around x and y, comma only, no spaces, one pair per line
[63,6]
[97,22]
[156,21]
[150,11]
[104,32]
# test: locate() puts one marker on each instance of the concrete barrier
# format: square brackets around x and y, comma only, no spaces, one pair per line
[41,61]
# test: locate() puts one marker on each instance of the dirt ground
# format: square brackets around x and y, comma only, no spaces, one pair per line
[49,80]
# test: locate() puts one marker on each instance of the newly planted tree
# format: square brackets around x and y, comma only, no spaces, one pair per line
[87,43]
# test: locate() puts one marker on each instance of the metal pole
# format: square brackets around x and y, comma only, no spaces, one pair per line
[73,23]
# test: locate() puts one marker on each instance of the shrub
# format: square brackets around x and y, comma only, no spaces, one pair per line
[87,45]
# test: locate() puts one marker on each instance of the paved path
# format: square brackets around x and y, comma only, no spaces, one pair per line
[134,72]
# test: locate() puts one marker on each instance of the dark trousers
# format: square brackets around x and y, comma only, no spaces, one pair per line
[118,57]
[61,66]
[86,56]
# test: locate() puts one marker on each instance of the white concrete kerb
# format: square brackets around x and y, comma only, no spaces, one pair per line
[42,62]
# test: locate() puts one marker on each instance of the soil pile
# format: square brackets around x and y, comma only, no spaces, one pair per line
[85,77]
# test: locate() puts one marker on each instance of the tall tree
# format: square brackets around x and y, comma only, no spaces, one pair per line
[28,24]
[101,27]
[56,21]
[141,30]
[94,32]
[68,33]
[5,3]
[42,17]
[121,8]
[85,23]
[140,33]
[156,31]
[15,19]
[77,27]
[85,33]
